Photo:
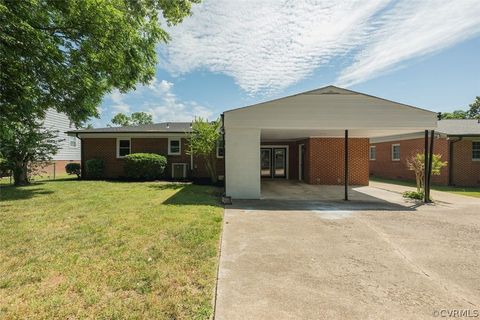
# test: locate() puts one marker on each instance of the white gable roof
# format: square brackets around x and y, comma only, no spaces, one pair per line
[332,110]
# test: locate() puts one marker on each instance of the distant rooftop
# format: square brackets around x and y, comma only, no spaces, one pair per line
[459,127]
[173,127]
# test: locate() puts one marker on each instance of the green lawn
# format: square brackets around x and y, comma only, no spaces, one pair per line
[466,191]
[108,250]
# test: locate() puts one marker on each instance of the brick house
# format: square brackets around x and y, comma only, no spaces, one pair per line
[457,141]
[318,137]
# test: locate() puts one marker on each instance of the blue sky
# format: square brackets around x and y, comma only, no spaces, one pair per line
[235,53]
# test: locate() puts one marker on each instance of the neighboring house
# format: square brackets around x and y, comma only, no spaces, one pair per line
[69,145]
[457,141]
[300,137]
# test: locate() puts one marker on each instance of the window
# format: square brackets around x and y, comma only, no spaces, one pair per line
[395,152]
[72,141]
[373,153]
[220,148]
[476,150]
[123,147]
[174,146]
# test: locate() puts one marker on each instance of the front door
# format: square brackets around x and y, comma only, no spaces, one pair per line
[273,162]
[266,162]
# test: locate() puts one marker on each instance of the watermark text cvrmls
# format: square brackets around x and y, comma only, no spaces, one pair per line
[457,313]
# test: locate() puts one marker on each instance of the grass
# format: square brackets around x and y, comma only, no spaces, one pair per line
[466,191]
[108,250]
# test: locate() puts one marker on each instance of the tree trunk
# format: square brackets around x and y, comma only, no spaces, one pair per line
[211,168]
[20,175]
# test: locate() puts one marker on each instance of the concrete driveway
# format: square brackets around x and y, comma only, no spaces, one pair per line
[389,259]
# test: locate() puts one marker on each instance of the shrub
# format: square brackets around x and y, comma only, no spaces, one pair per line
[94,168]
[417,195]
[73,168]
[144,166]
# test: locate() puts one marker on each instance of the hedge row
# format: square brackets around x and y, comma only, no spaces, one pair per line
[138,166]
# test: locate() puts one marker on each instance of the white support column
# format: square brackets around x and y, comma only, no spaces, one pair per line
[242,149]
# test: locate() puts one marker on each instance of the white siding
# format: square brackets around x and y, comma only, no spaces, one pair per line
[59,121]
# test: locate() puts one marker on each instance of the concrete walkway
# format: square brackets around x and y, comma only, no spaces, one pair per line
[386,259]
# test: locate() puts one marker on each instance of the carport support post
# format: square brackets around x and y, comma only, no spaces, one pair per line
[346,165]
[430,160]
[425,170]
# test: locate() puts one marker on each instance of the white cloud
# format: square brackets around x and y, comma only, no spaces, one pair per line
[160,87]
[158,99]
[413,29]
[169,108]
[123,108]
[269,45]
[118,103]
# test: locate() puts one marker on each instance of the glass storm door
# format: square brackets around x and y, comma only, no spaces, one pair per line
[273,162]
[266,162]
[279,162]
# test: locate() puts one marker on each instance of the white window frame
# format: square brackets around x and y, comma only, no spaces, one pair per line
[170,153]
[218,148]
[72,139]
[475,159]
[185,165]
[118,146]
[399,152]
[370,153]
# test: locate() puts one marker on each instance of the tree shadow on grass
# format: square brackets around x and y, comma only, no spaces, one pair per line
[11,193]
[191,194]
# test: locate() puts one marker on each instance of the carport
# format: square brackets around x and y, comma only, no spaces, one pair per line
[317,137]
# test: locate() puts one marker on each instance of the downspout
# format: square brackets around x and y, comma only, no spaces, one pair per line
[450,159]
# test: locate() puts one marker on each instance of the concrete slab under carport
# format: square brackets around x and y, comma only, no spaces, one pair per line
[304,259]
[282,189]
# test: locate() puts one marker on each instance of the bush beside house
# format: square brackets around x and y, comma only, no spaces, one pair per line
[73,168]
[95,168]
[144,166]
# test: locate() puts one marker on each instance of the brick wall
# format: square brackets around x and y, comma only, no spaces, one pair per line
[57,166]
[325,159]
[385,167]
[105,149]
[465,171]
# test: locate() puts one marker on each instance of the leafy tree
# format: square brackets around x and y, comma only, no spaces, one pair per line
[457,114]
[121,120]
[416,163]
[202,141]
[474,111]
[26,149]
[66,55]
[137,118]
